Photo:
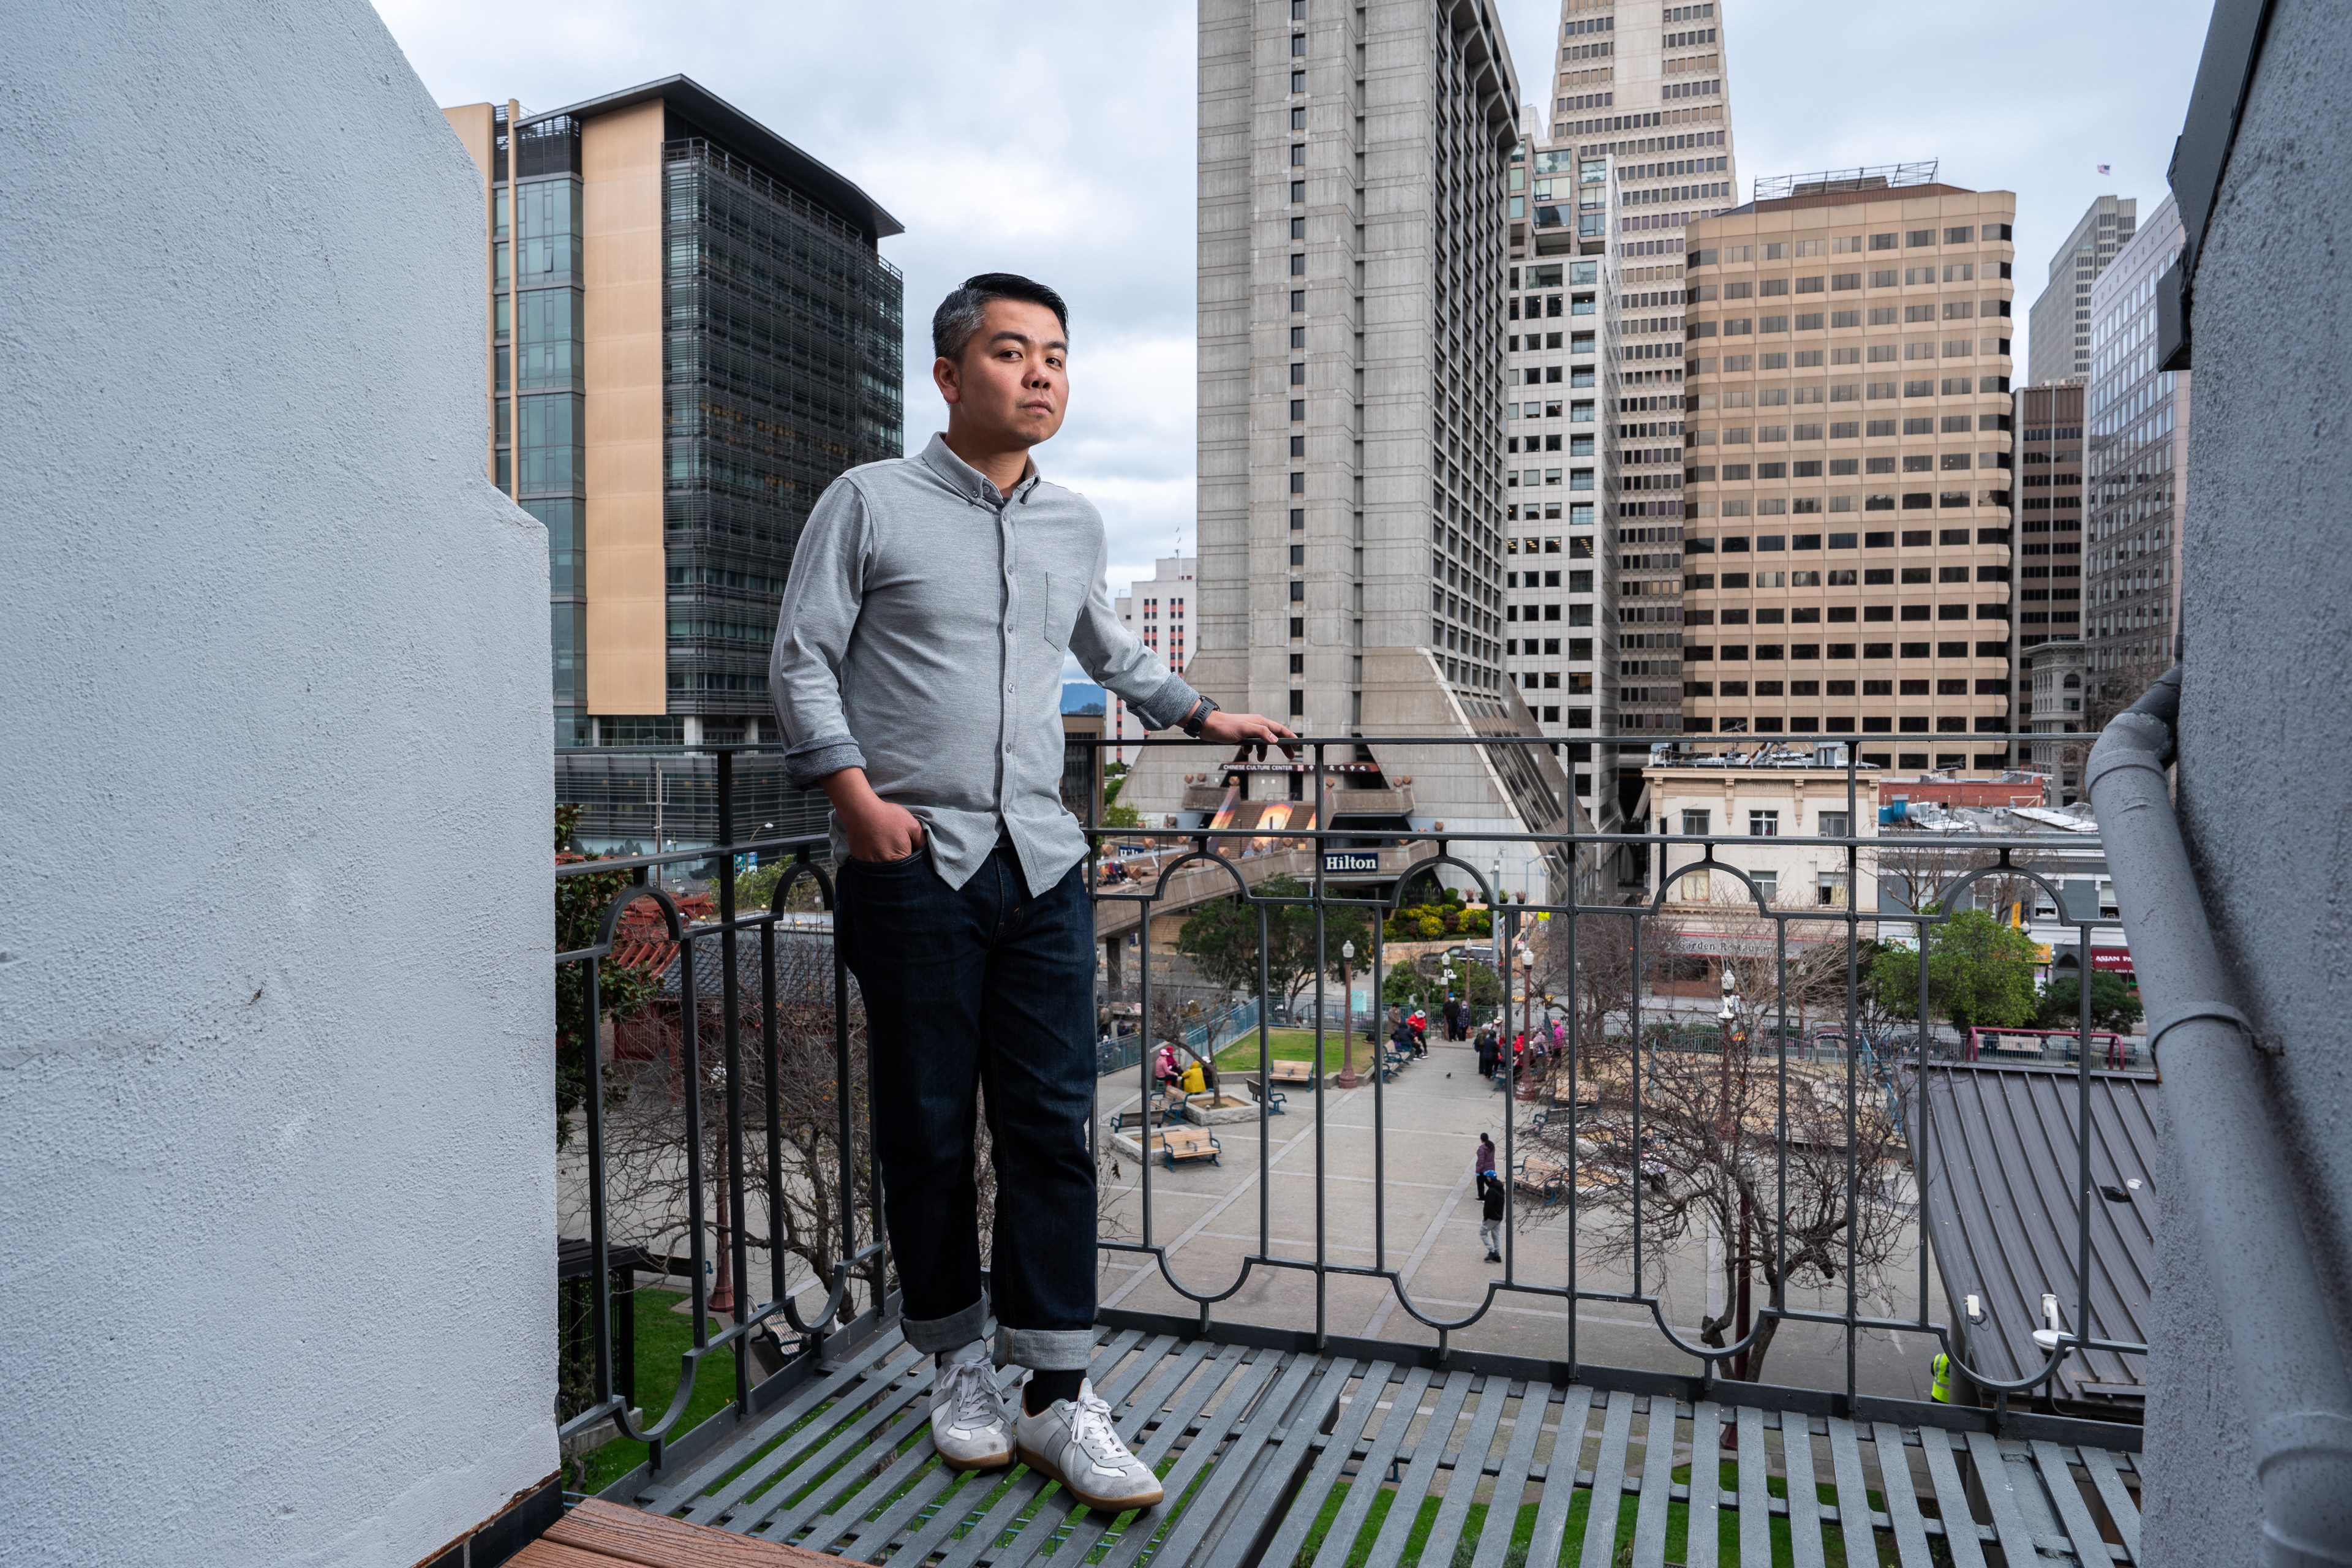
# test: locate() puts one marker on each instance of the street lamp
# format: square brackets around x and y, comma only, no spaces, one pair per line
[1348,1016]
[1527,1001]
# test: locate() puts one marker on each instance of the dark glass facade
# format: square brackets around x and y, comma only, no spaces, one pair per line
[783,330]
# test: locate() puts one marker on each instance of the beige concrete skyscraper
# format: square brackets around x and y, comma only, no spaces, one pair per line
[1352,305]
[1846,558]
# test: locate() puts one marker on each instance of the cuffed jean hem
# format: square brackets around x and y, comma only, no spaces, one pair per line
[937,1336]
[1044,1350]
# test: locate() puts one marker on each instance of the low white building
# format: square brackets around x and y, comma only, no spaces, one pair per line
[1758,807]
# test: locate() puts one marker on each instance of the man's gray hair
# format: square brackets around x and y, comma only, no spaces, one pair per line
[960,315]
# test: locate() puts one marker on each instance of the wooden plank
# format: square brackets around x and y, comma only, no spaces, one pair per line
[1295,1438]
[1852,1492]
[631,1535]
[1388,1546]
[1700,1541]
[1511,1485]
[1961,1541]
[1549,1536]
[1902,1501]
[674,1491]
[2112,1491]
[1341,1540]
[1657,1485]
[891,1388]
[2008,1525]
[1608,1483]
[2074,1513]
[1805,1548]
[1237,1466]
[1233,1402]
[1755,1497]
[1469,1471]
[545,1554]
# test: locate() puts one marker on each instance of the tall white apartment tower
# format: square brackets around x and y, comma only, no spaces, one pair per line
[1154,608]
[1646,86]
[1560,488]
[2058,339]
[1351,298]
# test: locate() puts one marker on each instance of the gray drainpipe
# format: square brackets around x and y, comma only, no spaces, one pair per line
[2241,1195]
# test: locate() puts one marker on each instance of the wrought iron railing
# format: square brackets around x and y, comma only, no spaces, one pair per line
[1586,1122]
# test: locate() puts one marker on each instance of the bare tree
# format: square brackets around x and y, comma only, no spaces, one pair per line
[1701,1134]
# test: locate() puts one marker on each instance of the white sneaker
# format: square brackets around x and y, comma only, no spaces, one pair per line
[1072,1441]
[968,1424]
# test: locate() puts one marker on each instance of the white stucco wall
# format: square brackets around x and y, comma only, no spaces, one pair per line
[277,1158]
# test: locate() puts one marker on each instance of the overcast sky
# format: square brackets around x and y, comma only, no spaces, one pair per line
[1056,139]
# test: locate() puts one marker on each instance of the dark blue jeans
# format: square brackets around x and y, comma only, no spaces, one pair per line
[982,988]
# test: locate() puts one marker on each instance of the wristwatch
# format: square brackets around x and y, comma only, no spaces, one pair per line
[1191,722]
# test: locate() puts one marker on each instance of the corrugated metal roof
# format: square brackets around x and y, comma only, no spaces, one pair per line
[1998,1173]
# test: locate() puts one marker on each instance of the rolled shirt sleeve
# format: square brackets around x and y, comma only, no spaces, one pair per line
[1118,659]
[819,614]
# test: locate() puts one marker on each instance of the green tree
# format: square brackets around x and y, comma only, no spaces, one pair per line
[2114,1003]
[1980,973]
[1122,816]
[580,905]
[1221,937]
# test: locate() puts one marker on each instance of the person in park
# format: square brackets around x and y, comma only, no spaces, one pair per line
[1490,1209]
[916,676]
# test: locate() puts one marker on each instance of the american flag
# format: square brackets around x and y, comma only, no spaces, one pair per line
[2103,169]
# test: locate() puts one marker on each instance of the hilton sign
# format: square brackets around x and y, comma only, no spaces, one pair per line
[1350,862]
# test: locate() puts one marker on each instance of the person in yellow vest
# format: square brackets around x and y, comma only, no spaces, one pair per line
[1940,1389]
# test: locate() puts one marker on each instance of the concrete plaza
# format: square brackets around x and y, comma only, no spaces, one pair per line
[1209,1218]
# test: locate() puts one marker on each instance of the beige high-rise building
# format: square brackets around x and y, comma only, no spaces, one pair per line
[1846,560]
[1646,87]
[2058,339]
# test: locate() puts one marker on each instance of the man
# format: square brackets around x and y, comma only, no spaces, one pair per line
[1490,1225]
[917,677]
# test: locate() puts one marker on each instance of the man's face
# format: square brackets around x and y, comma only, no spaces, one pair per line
[1012,382]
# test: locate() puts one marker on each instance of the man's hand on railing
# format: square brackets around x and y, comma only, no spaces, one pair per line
[1241,728]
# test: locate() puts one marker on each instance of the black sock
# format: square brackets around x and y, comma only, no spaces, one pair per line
[1045,1387]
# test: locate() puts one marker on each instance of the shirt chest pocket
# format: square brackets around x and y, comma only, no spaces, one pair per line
[1060,602]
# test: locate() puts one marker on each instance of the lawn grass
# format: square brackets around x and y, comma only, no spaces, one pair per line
[1290,1046]
[663,1336]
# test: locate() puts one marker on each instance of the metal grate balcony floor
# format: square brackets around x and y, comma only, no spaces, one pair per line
[1260,1451]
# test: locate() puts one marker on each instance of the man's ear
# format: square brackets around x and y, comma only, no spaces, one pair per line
[947,377]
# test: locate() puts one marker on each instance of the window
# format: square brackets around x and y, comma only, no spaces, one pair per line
[1298,593]
[1763,825]
[1298,266]
[1694,824]
[1768,885]
[1298,46]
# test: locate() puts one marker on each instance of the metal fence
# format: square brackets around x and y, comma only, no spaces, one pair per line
[1588,1125]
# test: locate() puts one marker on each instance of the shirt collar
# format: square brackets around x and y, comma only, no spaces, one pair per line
[970,481]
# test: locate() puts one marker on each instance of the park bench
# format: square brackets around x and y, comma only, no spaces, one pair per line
[1274,1097]
[1151,1115]
[1190,1143]
[1290,1072]
[1547,1179]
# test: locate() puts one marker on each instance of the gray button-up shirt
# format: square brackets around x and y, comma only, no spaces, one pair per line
[922,640]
